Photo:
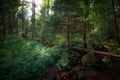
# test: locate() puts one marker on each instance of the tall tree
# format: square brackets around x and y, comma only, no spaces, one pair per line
[8,20]
[43,16]
[115,22]
[33,19]
[23,15]
[86,5]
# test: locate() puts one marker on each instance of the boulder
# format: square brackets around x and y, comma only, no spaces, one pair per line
[88,59]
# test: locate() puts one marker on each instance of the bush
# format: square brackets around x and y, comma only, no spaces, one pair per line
[26,60]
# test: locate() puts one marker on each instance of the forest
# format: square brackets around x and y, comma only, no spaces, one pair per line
[59,39]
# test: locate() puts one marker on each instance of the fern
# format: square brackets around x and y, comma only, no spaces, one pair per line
[26,60]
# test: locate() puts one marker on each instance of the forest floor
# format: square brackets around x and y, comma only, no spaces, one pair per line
[111,73]
[108,73]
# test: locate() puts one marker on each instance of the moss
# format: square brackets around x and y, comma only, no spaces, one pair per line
[88,58]
[116,51]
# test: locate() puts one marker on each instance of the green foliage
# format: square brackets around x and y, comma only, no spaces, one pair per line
[10,5]
[64,62]
[117,51]
[54,20]
[95,65]
[27,60]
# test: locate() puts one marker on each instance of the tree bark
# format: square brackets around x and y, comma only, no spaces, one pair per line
[43,17]
[48,6]
[69,27]
[84,36]
[96,52]
[23,16]
[33,19]
[84,27]
[115,22]
[82,49]
[69,38]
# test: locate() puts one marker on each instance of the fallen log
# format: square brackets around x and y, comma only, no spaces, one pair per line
[82,49]
[96,52]
[47,42]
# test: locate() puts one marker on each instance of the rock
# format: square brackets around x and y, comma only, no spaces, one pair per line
[88,58]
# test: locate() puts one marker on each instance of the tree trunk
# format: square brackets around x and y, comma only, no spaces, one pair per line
[69,38]
[96,52]
[48,6]
[69,27]
[119,16]
[17,26]
[43,13]
[115,23]
[3,27]
[33,19]
[84,36]
[23,16]
[84,27]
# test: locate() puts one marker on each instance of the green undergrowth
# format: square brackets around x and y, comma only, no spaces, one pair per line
[28,60]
